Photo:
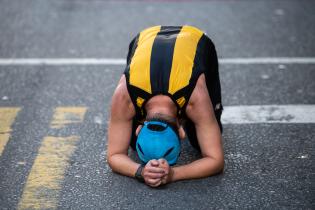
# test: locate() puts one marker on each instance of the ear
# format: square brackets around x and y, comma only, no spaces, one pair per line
[138,129]
[181,132]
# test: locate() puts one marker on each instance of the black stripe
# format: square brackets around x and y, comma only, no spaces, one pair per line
[133,91]
[198,68]
[168,152]
[132,48]
[162,57]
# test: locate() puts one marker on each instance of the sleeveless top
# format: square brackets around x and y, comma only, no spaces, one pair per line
[165,60]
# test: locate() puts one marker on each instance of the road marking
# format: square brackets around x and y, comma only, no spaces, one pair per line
[62,61]
[269,60]
[122,61]
[268,114]
[44,181]
[7,116]
[67,115]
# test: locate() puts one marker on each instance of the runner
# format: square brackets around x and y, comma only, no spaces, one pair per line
[170,88]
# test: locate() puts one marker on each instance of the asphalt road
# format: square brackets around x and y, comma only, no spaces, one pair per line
[268,166]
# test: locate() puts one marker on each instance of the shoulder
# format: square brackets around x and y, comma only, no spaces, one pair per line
[200,92]
[199,107]
[121,91]
[121,104]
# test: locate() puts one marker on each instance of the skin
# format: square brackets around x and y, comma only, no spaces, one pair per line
[158,172]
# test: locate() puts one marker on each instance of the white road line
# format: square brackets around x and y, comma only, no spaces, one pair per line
[62,61]
[269,114]
[269,60]
[122,61]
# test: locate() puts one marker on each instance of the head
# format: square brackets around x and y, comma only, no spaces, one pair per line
[159,137]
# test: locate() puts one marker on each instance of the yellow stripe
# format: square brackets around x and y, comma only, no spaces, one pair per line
[67,115]
[140,101]
[140,64]
[7,116]
[44,181]
[181,101]
[183,58]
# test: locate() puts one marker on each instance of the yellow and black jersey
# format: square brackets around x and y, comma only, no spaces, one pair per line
[165,60]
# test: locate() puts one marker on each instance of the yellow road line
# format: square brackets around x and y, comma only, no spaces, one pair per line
[7,116]
[44,181]
[67,115]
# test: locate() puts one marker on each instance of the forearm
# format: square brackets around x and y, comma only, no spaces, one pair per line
[203,167]
[122,164]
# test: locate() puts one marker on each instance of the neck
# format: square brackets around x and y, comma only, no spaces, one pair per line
[161,105]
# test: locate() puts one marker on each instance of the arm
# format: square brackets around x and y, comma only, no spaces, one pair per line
[119,134]
[200,111]
[119,131]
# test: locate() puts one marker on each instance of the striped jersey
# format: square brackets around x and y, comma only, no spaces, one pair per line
[165,60]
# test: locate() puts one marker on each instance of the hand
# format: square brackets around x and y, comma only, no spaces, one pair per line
[153,174]
[168,171]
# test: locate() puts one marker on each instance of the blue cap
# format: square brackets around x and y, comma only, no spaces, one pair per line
[157,140]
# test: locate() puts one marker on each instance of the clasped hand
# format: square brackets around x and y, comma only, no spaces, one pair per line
[157,172]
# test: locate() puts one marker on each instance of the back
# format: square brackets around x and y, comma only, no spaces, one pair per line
[165,60]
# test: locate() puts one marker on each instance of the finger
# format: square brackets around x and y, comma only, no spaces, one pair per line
[164,180]
[155,170]
[164,165]
[152,181]
[154,175]
[156,185]
[154,163]
[162,160]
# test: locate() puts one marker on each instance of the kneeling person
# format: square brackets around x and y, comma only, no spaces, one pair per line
[170,88]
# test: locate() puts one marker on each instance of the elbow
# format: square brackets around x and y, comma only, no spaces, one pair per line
[216,166]
[219,160]
[220,165]
[114,161]
[110,161]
